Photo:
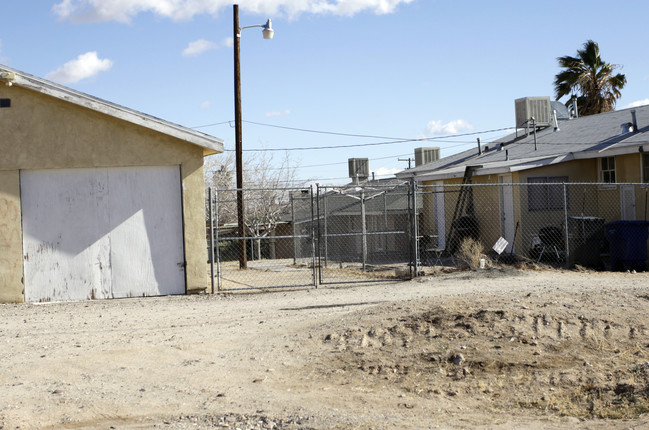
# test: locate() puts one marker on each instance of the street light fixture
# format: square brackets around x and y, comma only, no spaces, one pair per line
[268,33]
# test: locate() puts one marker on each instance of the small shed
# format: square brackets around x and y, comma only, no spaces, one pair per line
[96,200]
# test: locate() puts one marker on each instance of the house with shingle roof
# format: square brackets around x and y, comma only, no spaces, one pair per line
[609,149]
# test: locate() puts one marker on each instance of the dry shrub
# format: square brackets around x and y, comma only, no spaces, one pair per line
[470,252]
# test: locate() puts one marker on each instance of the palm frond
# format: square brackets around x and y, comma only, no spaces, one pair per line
[592,79]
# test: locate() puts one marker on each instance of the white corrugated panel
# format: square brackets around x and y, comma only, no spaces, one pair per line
[102,233]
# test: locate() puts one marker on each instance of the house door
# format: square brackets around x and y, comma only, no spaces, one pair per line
[102,233]
[627,194]
[506,197]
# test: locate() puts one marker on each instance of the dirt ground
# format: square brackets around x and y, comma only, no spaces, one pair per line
[493,348]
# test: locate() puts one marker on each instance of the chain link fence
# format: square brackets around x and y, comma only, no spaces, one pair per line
[365,233]
[326,235]
[278,243]
[545,221]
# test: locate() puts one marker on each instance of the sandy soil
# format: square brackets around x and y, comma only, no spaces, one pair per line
[495,348]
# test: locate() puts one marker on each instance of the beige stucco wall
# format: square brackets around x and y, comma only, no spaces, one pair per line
[483,200]
[589,200]
[533,221]
[11,266]
[576,170]
[42,132]
[628,168]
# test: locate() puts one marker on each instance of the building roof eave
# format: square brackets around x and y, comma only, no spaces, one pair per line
[210,144]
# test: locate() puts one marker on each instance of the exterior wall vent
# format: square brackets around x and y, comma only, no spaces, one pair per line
[426,155]
[537,107]
[359,168]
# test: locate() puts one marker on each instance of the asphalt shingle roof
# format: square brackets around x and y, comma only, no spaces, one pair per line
[586,136]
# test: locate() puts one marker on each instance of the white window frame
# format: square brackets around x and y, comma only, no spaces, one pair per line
[604,171]
[548,196]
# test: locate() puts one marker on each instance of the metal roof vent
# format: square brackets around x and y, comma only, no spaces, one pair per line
[537,107]
[426,155]
[563,113]
[627,127]
[359,169]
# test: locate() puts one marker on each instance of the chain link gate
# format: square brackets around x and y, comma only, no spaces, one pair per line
[280,244]
[366,233]
[296,238]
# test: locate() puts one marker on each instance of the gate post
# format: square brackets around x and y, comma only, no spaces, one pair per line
[211,241]
[216,240]
[293,227]
[415,228]
[565,223]
[313,238]
[364,231]
[324,242]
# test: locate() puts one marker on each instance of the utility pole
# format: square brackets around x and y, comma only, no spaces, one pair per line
[267,32]
[243,257]
[409,160]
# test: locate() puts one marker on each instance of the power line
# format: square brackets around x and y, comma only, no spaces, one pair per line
[345,162]
[305,130]
[457,143]
[214,124]
[393,142]
[330,164]
[312,148]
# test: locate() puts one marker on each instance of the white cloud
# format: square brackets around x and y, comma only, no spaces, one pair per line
[179,10]
[84,66]
[439,128]
[199,46]
[637,103]
[205,105]
[384,171]
[228,42]
[278,113]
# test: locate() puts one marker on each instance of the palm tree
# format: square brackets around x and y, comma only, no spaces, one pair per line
[590,79]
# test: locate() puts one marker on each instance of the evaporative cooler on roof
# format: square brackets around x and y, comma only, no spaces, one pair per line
[359,168]
[426,155]
[537,107]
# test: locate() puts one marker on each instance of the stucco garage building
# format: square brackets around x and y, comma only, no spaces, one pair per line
[96,200]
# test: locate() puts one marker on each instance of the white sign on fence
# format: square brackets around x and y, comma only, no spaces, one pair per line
[500,245]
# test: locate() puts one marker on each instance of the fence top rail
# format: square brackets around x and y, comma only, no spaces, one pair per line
[305,190]
[369,194]
[600,184]
[360,187]
[295,236]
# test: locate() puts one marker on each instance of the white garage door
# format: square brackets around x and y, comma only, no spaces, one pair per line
[102,233]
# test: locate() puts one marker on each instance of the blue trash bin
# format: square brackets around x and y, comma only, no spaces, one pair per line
[628,244]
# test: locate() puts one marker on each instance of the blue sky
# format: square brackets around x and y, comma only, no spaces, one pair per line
[395,69]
